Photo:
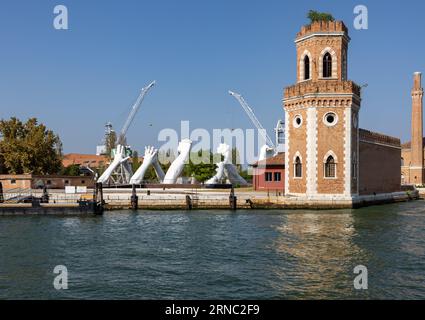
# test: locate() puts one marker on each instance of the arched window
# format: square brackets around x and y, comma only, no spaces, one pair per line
[306,68]
[330,167]
[327,65]
[298,168]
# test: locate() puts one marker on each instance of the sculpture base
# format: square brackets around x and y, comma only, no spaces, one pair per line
[218,186]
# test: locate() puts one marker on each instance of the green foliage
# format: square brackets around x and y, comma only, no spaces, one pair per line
[111,141]
[245,174]
[71,170]
[319,16]
[29,147]
[2,165]
[207,167]
[135,163]
[200,171]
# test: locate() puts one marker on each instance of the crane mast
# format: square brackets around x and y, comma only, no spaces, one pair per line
[253,118]
[134,109]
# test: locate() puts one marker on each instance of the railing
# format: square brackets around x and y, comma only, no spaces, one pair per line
[27,195]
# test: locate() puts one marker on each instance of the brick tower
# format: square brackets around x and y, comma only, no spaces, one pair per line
[321,116]
[417,153]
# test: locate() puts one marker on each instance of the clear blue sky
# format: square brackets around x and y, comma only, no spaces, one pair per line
[76,80]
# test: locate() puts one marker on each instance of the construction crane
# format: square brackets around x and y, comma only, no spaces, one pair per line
[134,109]
[120,171]
[253,118]
[270,146]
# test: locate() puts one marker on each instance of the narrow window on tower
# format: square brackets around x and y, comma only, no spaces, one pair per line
[330,167]
[306,68]
[298,168]
[327,65]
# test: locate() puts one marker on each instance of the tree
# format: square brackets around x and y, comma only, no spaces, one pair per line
[135,163]
[110,142]
[315,16]
[29,147]
[71,170]
[2,166]
[202,171]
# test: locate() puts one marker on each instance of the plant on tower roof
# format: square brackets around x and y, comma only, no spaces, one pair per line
[319,16]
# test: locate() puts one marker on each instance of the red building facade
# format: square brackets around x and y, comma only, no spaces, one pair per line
[269,174]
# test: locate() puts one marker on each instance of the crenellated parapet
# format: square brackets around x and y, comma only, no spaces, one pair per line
[322,93]
[322,26]
[328,86]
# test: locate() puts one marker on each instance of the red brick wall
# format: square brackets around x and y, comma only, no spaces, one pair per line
[379,167]
[15,181]
[260,183]
[330,139]
[297,143]
[26,181]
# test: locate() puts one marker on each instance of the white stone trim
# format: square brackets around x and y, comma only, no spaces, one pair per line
[347,151]
[335,119]
[334,62]
[323,34]
[322,95]
[330,153]
[325,158]
[297,155]
[358,152]
[344,64]
[311,163]
[294,123]
[302,67]
[287,143]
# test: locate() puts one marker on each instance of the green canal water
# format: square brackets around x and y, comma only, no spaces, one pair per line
[217,254]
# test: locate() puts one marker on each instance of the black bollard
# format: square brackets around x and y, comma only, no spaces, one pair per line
[1,193]
[98,203]
[134,198]
[189,205]
[45,196]
[232,199]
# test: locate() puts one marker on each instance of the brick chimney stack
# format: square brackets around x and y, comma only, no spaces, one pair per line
[417,160]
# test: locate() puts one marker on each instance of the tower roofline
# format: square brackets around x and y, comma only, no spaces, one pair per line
[324,28]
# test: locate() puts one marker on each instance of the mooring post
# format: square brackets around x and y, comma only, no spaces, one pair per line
[134,198]
[98,203]
[189,205]
[45,196]
[1,193]
[232,199]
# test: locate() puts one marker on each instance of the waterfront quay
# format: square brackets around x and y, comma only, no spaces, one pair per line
[188,198]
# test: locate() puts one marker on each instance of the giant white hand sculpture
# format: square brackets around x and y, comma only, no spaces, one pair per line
[158,170]
[266,152]
[177,166]
[226,168]
[148,159]
[118,159]
[219,175]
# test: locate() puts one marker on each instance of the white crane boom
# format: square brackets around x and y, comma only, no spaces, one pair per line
[134,109]
[253,118]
